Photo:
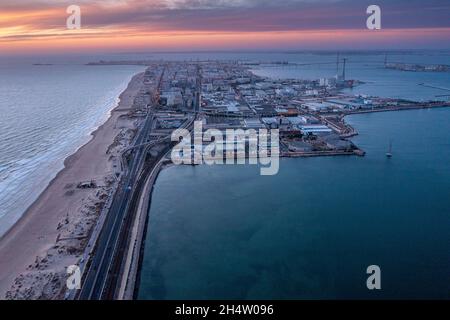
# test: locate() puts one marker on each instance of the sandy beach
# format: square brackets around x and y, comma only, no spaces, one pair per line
[53,232]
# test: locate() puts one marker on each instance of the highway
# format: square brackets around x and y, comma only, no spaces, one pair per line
[106,268]
[95,281]
[104,272]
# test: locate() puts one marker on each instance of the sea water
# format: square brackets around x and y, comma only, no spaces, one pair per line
[46,113]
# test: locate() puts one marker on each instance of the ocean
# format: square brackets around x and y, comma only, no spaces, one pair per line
[47,113]
[310,232]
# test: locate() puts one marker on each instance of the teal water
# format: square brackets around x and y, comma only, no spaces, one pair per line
[310,232]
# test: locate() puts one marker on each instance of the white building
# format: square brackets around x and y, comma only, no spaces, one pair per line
[314,129]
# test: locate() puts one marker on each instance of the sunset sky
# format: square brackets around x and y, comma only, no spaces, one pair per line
[121,25]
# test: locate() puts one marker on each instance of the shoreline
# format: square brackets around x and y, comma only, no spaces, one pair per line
[30,249]
[66,162]
[129,287]
[83,140]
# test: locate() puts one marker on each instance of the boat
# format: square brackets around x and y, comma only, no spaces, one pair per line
[389,153]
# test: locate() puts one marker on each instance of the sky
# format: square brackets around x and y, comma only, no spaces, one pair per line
[32,26]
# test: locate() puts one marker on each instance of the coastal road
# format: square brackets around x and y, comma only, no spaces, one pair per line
[105,271]
[96,279]
[106,266]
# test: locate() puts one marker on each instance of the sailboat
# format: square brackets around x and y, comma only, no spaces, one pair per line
[389,153]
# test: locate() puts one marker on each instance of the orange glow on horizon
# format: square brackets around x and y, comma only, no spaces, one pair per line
[27,17]
[122,39]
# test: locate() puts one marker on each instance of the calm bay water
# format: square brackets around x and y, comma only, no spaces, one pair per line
[47,113]
[310,232]
[224,232]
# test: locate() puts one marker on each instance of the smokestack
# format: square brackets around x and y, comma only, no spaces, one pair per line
[337,64]
[343,70]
